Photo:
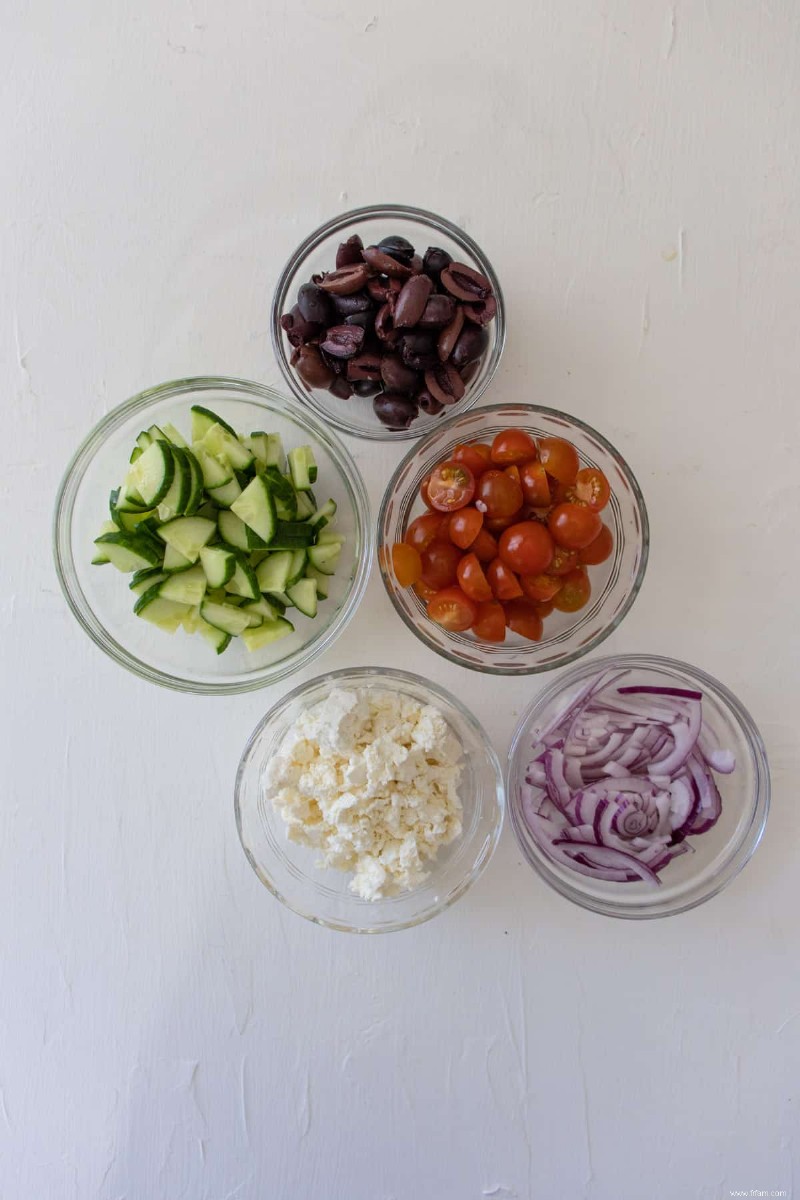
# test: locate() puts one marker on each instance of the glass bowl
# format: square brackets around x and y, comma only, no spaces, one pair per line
[99,596]
[615,583]
[318,253]
[322,895]
[718,854]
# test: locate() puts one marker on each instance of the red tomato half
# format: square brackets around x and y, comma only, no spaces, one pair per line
[439,564]
[513,446]
[523,618]
[407,564]
[540,587]
[575,592]
[598,550]
[472,579]
[535,487]
[490,623]
[559,459]
[574,525]
[502,580]
[500,495]
[451,486]
[592,489]
[563,562]
[464,526]
[527,548]
[476,458]
[484,547]
[424,530]
[453,610]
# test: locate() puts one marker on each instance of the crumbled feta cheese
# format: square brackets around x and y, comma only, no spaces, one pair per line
[370,778]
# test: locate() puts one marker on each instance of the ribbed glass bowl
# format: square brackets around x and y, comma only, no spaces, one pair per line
[99,596]
[318,253]
[717,855]
[321,894]
[615,583]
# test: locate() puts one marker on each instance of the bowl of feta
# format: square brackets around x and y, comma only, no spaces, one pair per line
[368,800]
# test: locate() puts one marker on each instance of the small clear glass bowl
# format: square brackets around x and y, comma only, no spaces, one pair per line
[99,596]
[718,854]
[321,894]
[318,253]
[615,583]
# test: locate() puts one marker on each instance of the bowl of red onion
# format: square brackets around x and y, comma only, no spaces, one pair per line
[638,786]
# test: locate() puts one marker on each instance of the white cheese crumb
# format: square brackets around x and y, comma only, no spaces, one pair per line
[370,778]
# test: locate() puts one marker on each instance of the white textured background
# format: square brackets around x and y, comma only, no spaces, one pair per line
[166,1030]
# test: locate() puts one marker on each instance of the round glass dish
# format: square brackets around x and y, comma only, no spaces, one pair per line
[718,854]
[615,583]
[99,596]
[318,253]
[322,895]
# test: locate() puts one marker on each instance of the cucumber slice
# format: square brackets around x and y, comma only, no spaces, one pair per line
[187,587]
[225,617]
[143,440]
[273,573]
[166,614]
[325,558]
[135,453]
[269,631]
[188,535]
[297,569]
[177,498]
[196,492]
[225,496]
[203,419]
[157,434]
[100,556]
[262,608]
[291,534]
[256,508]
[144,585]
[174,560]
[243,581]
[303,596]
[304,506]
[128,551]
[323,516]
[132,520]
[322,581]
[173,436]
[217,637]
[191,621]
[283,493]
[268,449]
[234,531]
[330,537]
[215,473]
[219,563]
[303,467]
[224,444]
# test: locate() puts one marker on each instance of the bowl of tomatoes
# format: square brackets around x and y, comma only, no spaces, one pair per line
[513,539]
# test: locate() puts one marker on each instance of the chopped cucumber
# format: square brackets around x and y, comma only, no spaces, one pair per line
[303,467]
[225,445]
[217,637]
[298,567]
[203,419]
[303,596]
[100,556]
[256,508]
[166,614]
[273,573]
[174,560]
[157,434]
[188,535]
[243,582]
[215,473]
[324,515]
[225,617]
[320,580]
[325,558]
[233,530]
[329,537]
[263,608]
[187,587]
[173,436]
[305,506]
[229,492]
[269,631]
[127,551]
[177,498]
[219,564]
[197,484]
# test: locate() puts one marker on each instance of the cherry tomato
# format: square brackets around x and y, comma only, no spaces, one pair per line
[513,446]
[407,564]
[423,492]
[490,623]
[424,530]
[563,562]
[453,610]
[513,473]
[559,459]
[540,587]
[451,486]
[561,493]
[535,487]
[464,526]
[498,524]
[424,592]
[472,579]
[502,580]
[501,496]
[574,525]
[522,617]
[592,488]
[575,592]
[598,550]
[484,547]
[527,547]
[544,608]
[439,564]
[473,457]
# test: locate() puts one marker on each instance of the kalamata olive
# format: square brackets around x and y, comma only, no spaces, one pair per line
[418,350]
[365,319]
[378,288]
[297,328]
[469,372]
[397,247]
[386,265]
[341,388]
[349,252]
[364,366]
[416,265]
[465,283]
[366,387]
[347,280]
[394,409]
[347,305]
[314,304]
[471,344]
[445,384]
[482,312]
[438,312]
[450,335]
[411,301]
[435,261]
[343,341]
[312,369]
[336,364]
[384,326]
[427,404]
[397,377]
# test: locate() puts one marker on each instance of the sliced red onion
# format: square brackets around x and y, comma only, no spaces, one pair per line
[642,690]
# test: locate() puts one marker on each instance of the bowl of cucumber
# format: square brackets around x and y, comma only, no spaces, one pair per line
[236,543]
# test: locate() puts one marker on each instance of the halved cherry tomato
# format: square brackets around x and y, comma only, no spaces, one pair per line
[513,473]
[598,550]
[490,623]
[451,486]
[424,530]
[472,579]
[540,587]
[561,493]
[501,496]
[574,525]
[559,459]
[484,547]
[453,610]
[496,525]
[535,487]
[544,608]
[464,526]
[592,488]
[513,446]
[423,492]
[476,458]
[522,617]
[439,564]
[574,594]
[502,580]
[527,548]
[423,590]
[407,564]
[563,562]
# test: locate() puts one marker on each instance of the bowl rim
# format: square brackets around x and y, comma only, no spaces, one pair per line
[246,390]
[389,676]
[336,224]
[736,860]
[602,634]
